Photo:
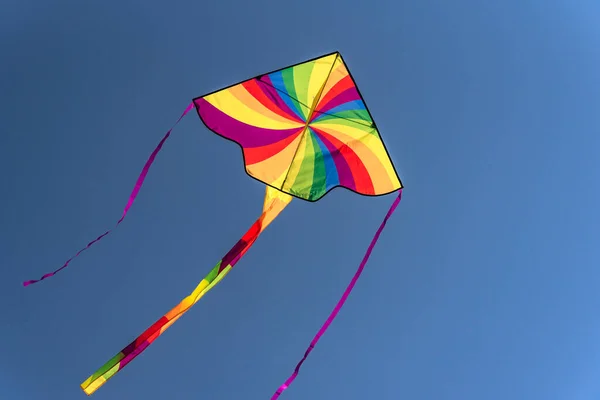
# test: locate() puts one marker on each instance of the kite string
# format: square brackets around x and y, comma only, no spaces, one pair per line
[132,196]
[342,300]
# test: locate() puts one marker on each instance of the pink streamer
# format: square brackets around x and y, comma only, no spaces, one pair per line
[342,300]
[134,193]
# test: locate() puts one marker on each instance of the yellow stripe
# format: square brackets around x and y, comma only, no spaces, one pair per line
[188,301]
[294,168]
[381,184]
[370,151]
[272,171]
[230,105]
[240,93]
[94,385]
[318,78]
[275,202]
[338,72]
[353,131]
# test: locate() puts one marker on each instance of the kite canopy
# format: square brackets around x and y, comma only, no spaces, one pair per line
[304,130]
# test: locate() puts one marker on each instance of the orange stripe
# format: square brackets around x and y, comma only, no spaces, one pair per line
[362,179]
[255,90]
[343,84]
[255,155]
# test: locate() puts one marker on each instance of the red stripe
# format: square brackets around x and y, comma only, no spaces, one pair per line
[343,85]
[258,93]
[362,179]
[254,155]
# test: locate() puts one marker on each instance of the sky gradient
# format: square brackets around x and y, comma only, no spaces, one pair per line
[484,284]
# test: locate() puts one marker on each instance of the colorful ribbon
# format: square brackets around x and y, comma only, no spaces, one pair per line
[275,202]
[342,300]
[132,196]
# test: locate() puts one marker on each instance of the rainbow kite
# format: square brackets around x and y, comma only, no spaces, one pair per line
[303,131]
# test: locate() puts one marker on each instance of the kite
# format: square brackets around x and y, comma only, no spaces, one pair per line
[303,131]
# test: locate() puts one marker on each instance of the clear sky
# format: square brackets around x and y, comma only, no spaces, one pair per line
[484,284]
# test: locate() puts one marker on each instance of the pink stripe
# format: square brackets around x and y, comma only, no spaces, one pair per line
[134,193]
[341,302]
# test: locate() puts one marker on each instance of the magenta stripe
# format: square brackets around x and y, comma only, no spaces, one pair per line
[345,176]
[132,196]
[348,95]
[268,88]
[245,135]
[129,357]
[342,300]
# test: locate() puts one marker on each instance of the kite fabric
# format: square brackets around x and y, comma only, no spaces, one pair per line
[274,203]
[303,131]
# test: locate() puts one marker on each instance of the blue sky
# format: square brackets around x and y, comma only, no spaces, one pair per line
[484,284]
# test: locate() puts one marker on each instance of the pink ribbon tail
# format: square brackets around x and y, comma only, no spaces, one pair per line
[342,300]
[134,193]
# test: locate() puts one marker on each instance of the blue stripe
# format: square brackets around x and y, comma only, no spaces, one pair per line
[277,79]
[349,106]
[331,174]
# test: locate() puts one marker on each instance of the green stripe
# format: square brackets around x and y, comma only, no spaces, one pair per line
[367,129]
[288,81]
[303,181]
[319,183]
[113,362]
[302,75]
[359,116]
[213,272]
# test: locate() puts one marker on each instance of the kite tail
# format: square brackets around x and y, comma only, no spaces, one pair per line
[132,196]
[274,203]
[342,300]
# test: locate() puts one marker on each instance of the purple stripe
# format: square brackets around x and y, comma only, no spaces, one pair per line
[132,196]
[342,300]
[141,347]
[246,135]
[348,95]
[233,254]
[268,88]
